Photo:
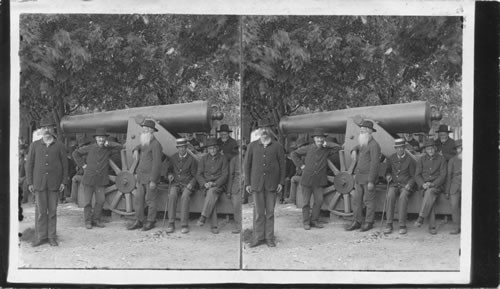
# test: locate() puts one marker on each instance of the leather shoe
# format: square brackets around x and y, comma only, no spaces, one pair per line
[307,227]
[215,230]
[88,226]
[148,226]
[419,222]
[366,227]
[53,242]
[98,224]
[353,226]
[388,228]
[433,231]
[37,243]
[255,243]
[402,230]
[170,228]
[135,225]
[455,232]
[270,243]
[201,221]
[185,230]
[317,225]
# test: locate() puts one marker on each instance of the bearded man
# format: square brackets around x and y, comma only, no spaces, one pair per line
[227,144]
[444,144]
[454,186]
[367,155]
[46,176]
[149,153]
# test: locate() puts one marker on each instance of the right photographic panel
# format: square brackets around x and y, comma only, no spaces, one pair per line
[352,143]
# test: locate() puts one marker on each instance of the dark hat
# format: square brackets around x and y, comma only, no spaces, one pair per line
[100,132]
[458,143]
[443,128]
[224,127]
[47,122]
[264,123]
[368,124]
[181,142]
[399,142]
[84,141]
[211,142]
[149,123]
[301,141]
[113,139]
[332,139]
[318,132]
[428,143]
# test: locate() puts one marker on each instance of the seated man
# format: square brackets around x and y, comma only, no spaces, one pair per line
[182,177]
[212,175]
[400,177]
[430,176]
[454,186]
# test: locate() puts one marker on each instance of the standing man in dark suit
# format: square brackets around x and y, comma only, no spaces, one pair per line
[149,152]
[95,174]
[226,143]
[444,144]
[182,178]
[46,176]
[234,185]
[367,156]
[264,170]
[314,177]
[400,176]
[454,186]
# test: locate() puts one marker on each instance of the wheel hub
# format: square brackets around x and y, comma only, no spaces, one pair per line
[125,182]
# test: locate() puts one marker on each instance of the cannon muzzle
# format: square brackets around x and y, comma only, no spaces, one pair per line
[185,117]
[395,118]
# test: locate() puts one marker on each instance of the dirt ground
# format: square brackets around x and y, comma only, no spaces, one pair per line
[115,247]
[333,248]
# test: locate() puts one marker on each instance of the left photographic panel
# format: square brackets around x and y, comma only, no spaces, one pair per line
[128,133]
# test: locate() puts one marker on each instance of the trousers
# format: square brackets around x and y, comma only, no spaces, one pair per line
[236,200]
[172,203]
[317,192]
[144,194]
[427,208]
[46,214]
[263,211]
[89,191]
[401,194]
[209,209]
[455,200]
[75,182]
[294,183]
[363,196]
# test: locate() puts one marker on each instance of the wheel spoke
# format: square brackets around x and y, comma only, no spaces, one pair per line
[112,178]
[330,179]
[133,166]
[116,200]
[128,203]
[334,201]
[329,189]
[342,159]
[333,168]
[114,167]
[110,189]
[124,160]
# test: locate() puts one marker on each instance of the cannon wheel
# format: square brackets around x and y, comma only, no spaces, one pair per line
[124,185]
[343,181]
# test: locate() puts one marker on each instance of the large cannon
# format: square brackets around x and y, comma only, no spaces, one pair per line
[170,121]
[389,120]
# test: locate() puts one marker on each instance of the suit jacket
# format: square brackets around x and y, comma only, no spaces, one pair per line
[454,176]
[314,172]
[264,167]
[368,162]
[97,161]
[447,149]
[402,170]
[228,147]
[150,158]
[47,167]
[212,169]
[234,182]
[183,169]
[431,170]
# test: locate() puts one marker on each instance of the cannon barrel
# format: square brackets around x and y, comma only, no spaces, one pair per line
[395,118]
[185,117]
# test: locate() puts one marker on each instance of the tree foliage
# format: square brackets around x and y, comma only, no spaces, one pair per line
[296,64]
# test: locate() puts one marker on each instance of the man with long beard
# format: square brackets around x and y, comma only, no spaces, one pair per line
[444,144]
[95,174]
[454,186]
[149,152]
[264,170]
[367,155]
[46,176]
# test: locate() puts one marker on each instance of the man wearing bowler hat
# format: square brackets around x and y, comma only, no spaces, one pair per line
[367,156]
[46,176]
[226,143]
[182,178]
[95,174]
[264,170]
[314,177]
[212,176]
[149,153]
[444,144]
[400,176]
[454,186]
[430,176]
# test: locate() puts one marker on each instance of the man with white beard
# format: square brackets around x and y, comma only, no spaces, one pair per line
[444,144]
[149,152]
[46,176]
[367,155]
[454,186]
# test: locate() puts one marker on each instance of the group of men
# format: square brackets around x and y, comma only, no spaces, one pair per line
[437,171]
[216,172]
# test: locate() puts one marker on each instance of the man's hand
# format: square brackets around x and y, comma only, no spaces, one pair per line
[280,187]
[407,187]
[84,166]
[447,196]
[170,178]
[249,189]
[189,187]
[61,187]
[425,186]
[208,185]
[229,195]
[31,189]
[302,167]
[370,186]
[388,178]
[152,185]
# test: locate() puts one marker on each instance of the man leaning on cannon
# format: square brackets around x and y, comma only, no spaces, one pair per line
[367,155]
[400,176]
[430,176]
[212,176]
[149,153]
[95,174]
[182,179]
